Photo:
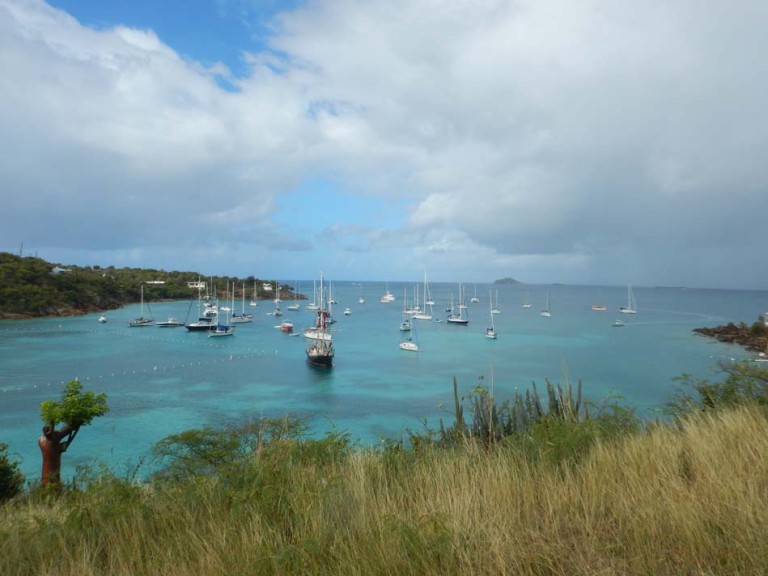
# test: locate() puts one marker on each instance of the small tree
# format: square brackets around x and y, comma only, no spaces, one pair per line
[75,409]
[11,479]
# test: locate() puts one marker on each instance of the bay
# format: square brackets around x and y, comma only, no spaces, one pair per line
[161,381]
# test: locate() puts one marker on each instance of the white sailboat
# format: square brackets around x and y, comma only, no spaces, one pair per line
[527,300]
[405,324]
[295,306]
[546,313]
[254,301]
[278,311]
[222,328]
[474,299]
[409,344]
[426,313]
[462,300]
[361,300]
[141,321]
[241,318]
[631,307]
[387,297]
[313,305]
[459,317]
[496,309]
[206,314]
[490,332]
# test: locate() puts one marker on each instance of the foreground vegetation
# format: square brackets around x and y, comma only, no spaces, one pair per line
[31,287]
[535,485]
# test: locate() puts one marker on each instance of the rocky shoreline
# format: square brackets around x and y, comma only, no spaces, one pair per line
[740,335]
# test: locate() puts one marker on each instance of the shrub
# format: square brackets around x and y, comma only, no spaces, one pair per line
[745,383]
[11,479]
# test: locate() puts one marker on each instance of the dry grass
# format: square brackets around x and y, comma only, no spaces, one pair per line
[667,501]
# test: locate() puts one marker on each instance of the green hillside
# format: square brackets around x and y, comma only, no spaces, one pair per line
[31,287]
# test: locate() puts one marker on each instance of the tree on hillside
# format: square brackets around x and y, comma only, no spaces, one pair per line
[75,409]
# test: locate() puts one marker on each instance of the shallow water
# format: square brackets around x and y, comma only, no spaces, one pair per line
[160,381]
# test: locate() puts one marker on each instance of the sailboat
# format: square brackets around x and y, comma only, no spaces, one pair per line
[313,305]
[410,344]
[206,314]
[459,317]
[490,332]
[361,300]
[295,305]
[141,321]
[277,311]
[631,307]
[546,313]
[462,301]
[474,299]
[254,301]
[527,301]
[599,307]
[423,314]
[496,309]
[219,328]
[387,297]
[242,317]
[320,351]
[405,324]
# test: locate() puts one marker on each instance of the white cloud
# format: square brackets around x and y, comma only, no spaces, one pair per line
[546,140]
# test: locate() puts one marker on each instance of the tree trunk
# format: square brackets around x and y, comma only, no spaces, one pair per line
[51,448]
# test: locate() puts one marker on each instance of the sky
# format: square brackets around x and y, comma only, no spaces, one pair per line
[551,141]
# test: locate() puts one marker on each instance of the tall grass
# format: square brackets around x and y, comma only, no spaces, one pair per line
[669,500]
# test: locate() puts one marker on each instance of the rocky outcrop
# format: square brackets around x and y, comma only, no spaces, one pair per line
[742,335]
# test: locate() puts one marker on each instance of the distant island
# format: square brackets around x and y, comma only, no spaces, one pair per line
[507,281]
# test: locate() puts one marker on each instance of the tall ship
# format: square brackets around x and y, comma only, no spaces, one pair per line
[320,349]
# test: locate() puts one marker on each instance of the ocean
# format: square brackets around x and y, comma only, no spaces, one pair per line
[161,381]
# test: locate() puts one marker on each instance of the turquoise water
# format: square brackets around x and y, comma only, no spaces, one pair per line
[160,381]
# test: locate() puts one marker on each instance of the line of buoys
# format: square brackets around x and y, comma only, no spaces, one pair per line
[155,369]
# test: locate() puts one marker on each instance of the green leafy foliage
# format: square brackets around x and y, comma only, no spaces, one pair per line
[11,479]
[196,452]
[76,407]
[759,329]
[33,287]
[745,383]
